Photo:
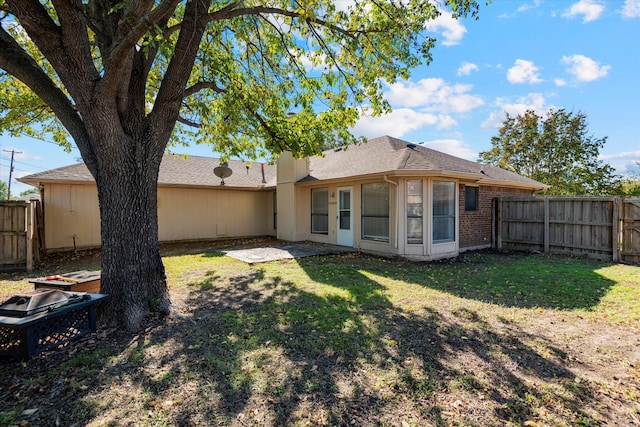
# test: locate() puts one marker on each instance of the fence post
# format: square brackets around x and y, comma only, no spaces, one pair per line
[546,224]
[29,235]
[615,228]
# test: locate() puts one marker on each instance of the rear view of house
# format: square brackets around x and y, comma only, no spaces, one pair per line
[386,196]
[390,196]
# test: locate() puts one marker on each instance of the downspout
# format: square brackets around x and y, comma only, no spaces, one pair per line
[397,220]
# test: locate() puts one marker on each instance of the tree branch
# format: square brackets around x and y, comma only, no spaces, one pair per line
[201,86]
[52,43]
[273,135]
[189,122]
[23,67]
[120,54]
[172,88]
[258,10]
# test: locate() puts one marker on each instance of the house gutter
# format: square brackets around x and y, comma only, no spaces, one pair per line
[386,179]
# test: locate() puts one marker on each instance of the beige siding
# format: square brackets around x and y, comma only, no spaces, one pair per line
[193,214]
[71,210]
[183,214]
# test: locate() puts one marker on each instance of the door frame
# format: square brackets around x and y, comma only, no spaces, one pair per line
[344,237]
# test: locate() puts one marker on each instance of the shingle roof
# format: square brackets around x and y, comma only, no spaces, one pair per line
[388,155]
[175,170]
[383,155]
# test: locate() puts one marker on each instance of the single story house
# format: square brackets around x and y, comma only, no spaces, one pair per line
[385,196]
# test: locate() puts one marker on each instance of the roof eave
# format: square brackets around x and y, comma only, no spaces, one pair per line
[37,181]
[399,174]
[261,187]
[529,186]
[478,178]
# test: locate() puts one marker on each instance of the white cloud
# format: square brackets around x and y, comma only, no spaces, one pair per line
[624,163]
[526,7]
[523,72]
[343,5]
[451,28]
[428,102]
[560,82]
[533,101]
[521,9]
[433,95]
[309,66]
[590,9]
[466,68]
[454,147]
[584,68]
[398,123]
[631,9]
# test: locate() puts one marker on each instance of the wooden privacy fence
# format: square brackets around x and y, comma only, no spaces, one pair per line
[20,235]
[15,241]
[600,227]
[630,231]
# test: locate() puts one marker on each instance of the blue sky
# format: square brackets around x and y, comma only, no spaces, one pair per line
[583,56]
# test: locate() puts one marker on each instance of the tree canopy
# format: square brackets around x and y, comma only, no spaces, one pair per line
[631,184]
[125,78]
[29,191]
[555,149]
[250,64]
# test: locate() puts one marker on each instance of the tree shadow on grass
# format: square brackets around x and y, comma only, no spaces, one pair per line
[283,354]
[261,349]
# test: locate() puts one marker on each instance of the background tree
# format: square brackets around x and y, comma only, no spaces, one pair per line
[124,78]
[31,190]
[4,190]
[556,150]
[631,184]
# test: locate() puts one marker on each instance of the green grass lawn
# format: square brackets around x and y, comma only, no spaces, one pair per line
[486,339]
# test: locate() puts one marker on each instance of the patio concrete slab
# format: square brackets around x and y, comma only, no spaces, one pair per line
[285,251]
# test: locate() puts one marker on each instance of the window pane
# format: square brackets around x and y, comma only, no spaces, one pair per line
[470,199]
[320,200]
[320,210]
[414,230]
[320,224]
[375,228]
[375,211]
[443,229]
[444,215]
[375,199]
[345,220]
[345,199]
[414,211]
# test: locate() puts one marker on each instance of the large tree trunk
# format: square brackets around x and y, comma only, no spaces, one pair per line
[132,269]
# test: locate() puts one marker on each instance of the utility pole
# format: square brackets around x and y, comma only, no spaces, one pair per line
[13,152]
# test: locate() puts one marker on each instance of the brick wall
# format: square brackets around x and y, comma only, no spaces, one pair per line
[475,227]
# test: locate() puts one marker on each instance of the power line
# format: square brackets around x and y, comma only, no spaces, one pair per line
[46,140]
[13,152]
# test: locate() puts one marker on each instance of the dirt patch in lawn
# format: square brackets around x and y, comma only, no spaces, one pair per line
[344,340]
